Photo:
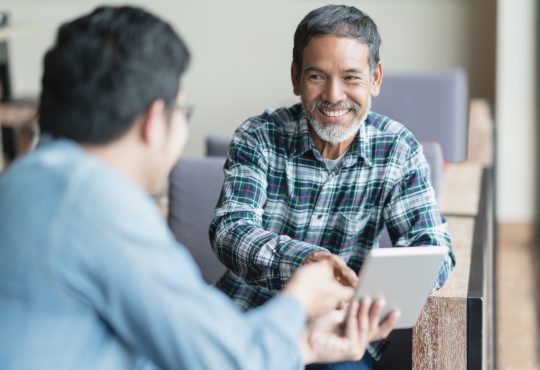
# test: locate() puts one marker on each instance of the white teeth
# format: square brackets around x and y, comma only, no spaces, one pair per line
[335,113]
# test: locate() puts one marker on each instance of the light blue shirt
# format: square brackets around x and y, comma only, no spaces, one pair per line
[91,278]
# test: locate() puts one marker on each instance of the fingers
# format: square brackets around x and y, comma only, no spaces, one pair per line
[317,256]
[344,274]
[389,323]
[351,322]
[315,287]
[362,327]
[375,315]
[363,318]
[380,330]
[355,334]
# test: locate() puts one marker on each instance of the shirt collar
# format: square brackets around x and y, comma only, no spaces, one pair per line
[360,148]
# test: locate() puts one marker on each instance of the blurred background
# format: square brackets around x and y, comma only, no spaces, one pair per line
[242,50]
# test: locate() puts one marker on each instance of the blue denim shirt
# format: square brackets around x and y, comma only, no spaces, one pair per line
[91,278]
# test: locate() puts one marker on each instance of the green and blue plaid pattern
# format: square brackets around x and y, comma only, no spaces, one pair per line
[280,203]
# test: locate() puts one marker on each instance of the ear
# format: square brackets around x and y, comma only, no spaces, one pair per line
[295,79]
[152,127]
[376,80]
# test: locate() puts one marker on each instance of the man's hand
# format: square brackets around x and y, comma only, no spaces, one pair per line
[343,273]
[315,287]
[330,339]
[380,329]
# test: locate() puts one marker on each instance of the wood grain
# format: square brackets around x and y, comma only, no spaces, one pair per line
[460,188]
[480,145]
[440,336]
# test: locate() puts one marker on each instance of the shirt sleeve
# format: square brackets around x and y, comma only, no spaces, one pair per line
[412,214]
[127,267]
[237,235]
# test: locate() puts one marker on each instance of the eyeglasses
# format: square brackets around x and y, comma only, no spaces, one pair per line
[188,110]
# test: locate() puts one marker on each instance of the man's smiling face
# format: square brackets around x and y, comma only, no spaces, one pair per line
[336,85]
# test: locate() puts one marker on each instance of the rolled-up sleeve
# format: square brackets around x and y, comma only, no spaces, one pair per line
[237,235]
[412,214]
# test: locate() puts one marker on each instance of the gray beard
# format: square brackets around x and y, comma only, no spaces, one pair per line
[334,133]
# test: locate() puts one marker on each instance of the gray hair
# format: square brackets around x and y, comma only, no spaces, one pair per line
[338,20]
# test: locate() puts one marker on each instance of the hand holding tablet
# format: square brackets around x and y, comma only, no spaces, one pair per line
[402,277]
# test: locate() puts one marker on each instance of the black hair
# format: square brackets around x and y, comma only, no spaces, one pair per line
[339,20]
[105,69]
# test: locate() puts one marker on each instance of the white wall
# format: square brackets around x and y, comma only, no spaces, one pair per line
[516,109]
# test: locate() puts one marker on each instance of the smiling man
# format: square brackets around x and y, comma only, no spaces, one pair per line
[320,179]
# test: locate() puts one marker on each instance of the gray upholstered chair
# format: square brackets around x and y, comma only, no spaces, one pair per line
[194,188]
[217,145]
[434,105]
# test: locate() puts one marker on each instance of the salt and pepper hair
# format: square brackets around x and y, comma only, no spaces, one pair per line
[338,20]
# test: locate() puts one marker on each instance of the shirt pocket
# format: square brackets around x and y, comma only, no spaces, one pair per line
[349,230]
[353,237]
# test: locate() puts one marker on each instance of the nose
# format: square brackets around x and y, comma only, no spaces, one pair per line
[333,91]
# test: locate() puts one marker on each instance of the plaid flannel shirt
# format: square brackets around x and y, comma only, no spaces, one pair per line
[280,203]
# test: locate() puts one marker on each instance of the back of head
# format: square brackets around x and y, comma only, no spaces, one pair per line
[105,69]
[338,20]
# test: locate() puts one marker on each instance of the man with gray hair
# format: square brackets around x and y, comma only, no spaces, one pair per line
[320,179]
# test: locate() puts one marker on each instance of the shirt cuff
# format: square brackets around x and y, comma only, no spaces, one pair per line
[295,254]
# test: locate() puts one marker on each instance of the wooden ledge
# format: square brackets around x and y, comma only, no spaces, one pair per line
[460,195]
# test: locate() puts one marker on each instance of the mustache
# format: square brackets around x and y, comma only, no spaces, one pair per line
[318,104]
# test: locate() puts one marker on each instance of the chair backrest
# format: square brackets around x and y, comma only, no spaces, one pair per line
[194,188]
[217,145]
[434,105]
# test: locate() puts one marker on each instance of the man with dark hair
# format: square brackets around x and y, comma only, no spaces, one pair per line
[319,180]
[90,276]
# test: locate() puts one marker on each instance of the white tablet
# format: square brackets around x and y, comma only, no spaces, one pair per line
[403,277]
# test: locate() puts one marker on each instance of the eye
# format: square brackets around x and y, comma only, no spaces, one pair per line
[352,78]
[314,77]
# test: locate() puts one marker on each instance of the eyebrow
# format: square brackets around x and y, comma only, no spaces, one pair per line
[355,70]
[317,69]
[313,68]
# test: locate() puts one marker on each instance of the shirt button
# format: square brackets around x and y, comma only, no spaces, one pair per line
[319,217]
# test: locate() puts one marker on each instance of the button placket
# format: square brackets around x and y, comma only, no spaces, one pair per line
[320,211]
